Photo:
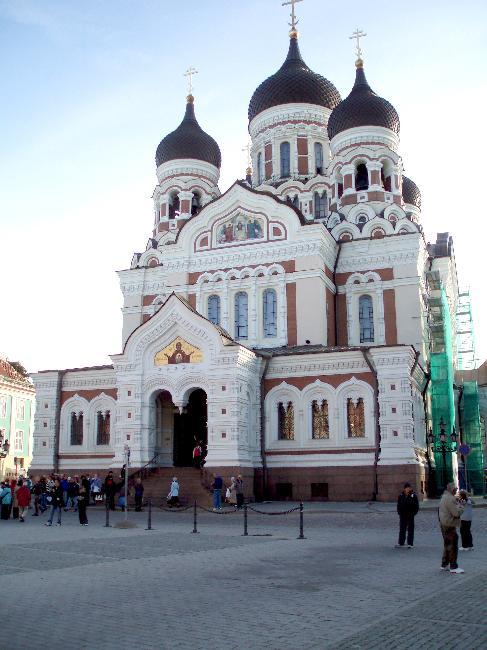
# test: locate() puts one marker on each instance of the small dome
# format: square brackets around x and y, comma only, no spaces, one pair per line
[362,108]
[189,141]
[293,83]
[410,192]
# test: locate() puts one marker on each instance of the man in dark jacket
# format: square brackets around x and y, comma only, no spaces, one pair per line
[407,509]
[110,489]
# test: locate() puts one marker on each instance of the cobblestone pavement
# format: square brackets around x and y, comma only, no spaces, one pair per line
[344,586]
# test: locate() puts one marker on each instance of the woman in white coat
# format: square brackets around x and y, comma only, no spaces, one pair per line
[173,496]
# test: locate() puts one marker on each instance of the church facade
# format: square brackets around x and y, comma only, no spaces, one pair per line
[284,323]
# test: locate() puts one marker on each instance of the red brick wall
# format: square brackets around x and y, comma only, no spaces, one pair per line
[87,394]
[268,160]
[342,320]
[292,326]
[330,313]
[390,316]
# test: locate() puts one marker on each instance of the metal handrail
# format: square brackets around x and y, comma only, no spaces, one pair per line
[141,469]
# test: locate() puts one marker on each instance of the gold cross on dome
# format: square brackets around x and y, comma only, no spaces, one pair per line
[357,35]
[294,20]
[189,73]
[247,149]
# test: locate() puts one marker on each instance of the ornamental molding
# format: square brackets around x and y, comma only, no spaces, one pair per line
[278,369]
[359,262]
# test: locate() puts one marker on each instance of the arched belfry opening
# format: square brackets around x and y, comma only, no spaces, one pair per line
[176,433]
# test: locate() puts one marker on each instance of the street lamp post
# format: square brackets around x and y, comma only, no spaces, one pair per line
[443,446]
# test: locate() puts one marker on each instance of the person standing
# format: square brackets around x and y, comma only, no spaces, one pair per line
[65,486]
[466,521]
[56,503]
[197,451]
[217,493]
[83,500]
[15,506]
[37,492]
[173,496]
[407,509]
[138,494]
[239,491]
[5,500]
[95,487]
[449,514]
[23,499]
[110,489]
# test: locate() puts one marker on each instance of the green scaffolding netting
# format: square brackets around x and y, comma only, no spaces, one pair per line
[472,436]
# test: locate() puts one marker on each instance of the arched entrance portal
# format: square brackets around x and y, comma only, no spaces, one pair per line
[177,433]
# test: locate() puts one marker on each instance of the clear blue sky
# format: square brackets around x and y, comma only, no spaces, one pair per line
[89,90]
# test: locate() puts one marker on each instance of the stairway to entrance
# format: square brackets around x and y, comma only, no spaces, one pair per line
[194,484]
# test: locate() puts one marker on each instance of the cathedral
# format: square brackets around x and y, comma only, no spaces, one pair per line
[285,323]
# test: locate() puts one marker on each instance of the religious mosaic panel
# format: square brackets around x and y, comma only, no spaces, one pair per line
[356,418]
[285,416]
[240,228]
[320,425]
[179,351]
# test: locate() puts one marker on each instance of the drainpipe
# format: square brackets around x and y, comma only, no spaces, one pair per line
[57,420]
[262,427]
[370,363]
[335,297]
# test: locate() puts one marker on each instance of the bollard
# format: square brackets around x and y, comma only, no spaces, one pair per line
[301,521]
[149,515]
[245,533]
[195,527]
[107,514]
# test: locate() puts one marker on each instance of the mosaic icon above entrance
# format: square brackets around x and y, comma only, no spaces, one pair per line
[179,351]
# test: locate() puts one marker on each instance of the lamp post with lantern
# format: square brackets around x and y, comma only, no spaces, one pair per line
[443,445]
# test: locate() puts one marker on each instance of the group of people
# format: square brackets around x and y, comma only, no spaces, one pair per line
[234,493]
[58,493]
[453,512]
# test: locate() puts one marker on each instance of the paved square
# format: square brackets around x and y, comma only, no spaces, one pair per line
[344,586]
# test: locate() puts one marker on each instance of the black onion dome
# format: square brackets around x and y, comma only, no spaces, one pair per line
[293,83]
[362,108]
[410,192]
[189,141]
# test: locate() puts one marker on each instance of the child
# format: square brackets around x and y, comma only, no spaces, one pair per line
[466,521]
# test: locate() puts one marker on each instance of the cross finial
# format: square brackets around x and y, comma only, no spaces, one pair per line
[357,35]
[247,150]
[189,73]
[294,20]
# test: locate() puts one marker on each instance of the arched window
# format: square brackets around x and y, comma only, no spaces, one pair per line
[361,178]
[355,418]
[295,201]
[285,421]
[103,428]
[320,205]
[270,312]
[241,315]
[174,205]
[76,428]
[260,168]
[362,220]
[366,319]
[320,428]
[285,151]
[319,157]
[214,309]
[195,203]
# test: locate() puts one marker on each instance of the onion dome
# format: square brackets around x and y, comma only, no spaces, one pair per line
[189,141]
[293,83]
[410,192]
[363,107]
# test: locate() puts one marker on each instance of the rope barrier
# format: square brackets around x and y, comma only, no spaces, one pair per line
[177,509]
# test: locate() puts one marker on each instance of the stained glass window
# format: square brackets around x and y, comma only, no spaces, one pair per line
[270,312]
[285,424]
[366,319]
[320,424]
[103,428]
[214,309]
[241,315]
[285,150]
[356,418]
[319,157]
[76,428]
